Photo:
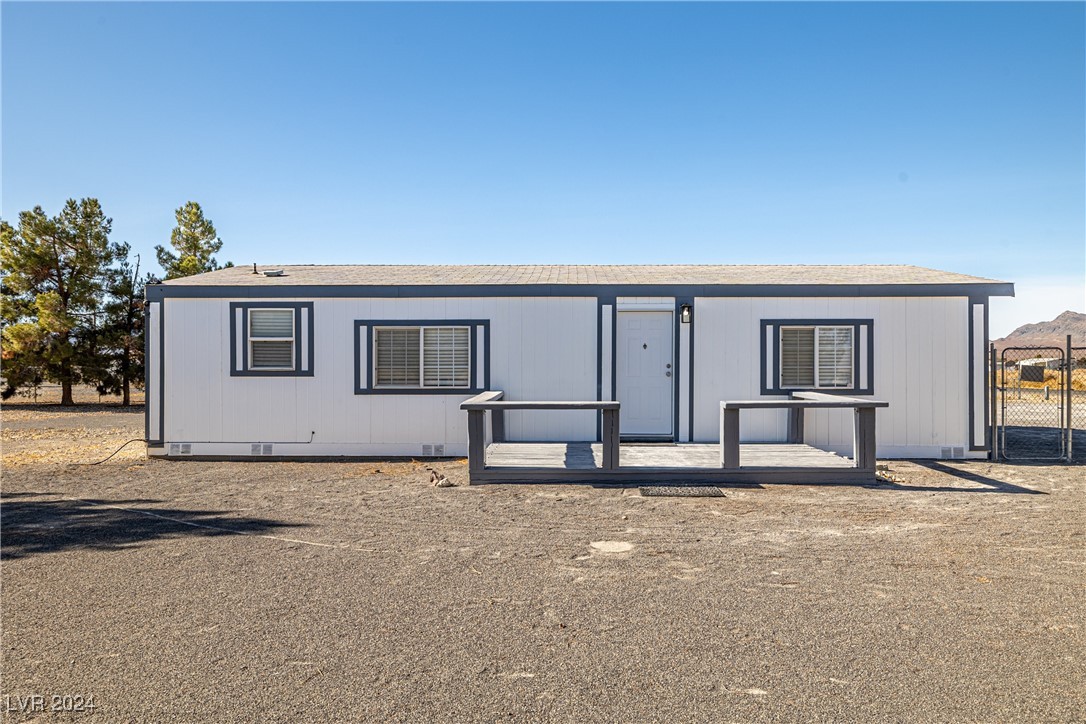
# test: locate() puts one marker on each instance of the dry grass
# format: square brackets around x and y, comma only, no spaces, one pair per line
[1010,378]
[50,395]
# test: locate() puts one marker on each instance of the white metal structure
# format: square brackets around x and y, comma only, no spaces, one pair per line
[361,361]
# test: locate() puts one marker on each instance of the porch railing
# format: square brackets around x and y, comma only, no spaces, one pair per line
[863,435]
[491,401]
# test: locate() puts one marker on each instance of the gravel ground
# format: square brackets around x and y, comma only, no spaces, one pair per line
[285,592]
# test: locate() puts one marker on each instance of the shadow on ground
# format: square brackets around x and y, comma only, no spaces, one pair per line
[991,485]
[35,523]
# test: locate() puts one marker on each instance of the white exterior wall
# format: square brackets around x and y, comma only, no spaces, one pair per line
[542,348]
[545,348]
[921,367]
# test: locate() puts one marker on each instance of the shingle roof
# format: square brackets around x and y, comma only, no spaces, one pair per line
[611,274]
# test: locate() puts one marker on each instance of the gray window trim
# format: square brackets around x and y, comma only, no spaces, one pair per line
[240,368]
[776,324]
[471,324]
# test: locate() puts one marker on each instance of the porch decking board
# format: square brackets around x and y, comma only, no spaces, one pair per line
[770,462]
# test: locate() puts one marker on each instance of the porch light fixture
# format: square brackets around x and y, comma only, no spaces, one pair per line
[686,313]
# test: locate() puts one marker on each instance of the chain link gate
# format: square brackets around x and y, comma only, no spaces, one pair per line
[1037,408]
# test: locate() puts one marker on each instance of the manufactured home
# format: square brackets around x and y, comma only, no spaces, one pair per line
[379,360]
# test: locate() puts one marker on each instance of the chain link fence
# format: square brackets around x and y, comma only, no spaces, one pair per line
[1040,404]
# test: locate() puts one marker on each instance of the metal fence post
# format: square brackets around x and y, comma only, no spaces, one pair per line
[1069,380]
[993,393]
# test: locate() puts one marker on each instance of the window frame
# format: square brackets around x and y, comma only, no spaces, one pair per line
[365,356]
[863,354]
[250,338]
[302,358]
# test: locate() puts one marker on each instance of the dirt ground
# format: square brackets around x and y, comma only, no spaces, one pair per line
[284,592]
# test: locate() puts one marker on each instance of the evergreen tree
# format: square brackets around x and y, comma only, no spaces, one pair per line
[121,337]
[195,241]
[54,275]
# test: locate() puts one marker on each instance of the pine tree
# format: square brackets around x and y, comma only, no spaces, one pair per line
[195,241]
[121,336]
[54,271]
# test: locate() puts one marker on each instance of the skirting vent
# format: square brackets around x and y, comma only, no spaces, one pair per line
[180,448]
[433,450]
[261,448]
[953,453]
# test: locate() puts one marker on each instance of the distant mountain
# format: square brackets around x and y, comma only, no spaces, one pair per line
[1048,333]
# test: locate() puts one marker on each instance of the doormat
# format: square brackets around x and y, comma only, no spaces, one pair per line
[682,491]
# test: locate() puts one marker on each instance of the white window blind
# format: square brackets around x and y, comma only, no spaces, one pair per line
[271,339]
[816,357]
[835,356]
[797,356]
[422,357]
[397,357]
[446,357]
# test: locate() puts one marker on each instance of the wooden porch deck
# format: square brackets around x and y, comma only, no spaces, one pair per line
[689,462]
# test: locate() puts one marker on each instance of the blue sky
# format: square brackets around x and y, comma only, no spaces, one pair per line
[945,135]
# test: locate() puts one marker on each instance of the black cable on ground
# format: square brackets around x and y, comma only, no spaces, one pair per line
[122,447]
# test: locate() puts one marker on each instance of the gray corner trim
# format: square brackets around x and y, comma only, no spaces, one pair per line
[240,368]
[369,324]
[157,292]
[161,373]
[599,366]
[973,447]
[776,324]
[679,301]
[147,391]
[146,370]
[988,411]
[614,351]
[971,375]
[693,326]
[675,372]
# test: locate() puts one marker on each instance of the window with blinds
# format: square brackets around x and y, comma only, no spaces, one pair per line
[271,339]
[816,357]
[446,357]
[797,356]
[835,356]
[397,357]
[422,357]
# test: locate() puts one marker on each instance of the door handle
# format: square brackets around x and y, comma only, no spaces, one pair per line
[668,373]
[669,365]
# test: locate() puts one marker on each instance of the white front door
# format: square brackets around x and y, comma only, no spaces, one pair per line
[645,369]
